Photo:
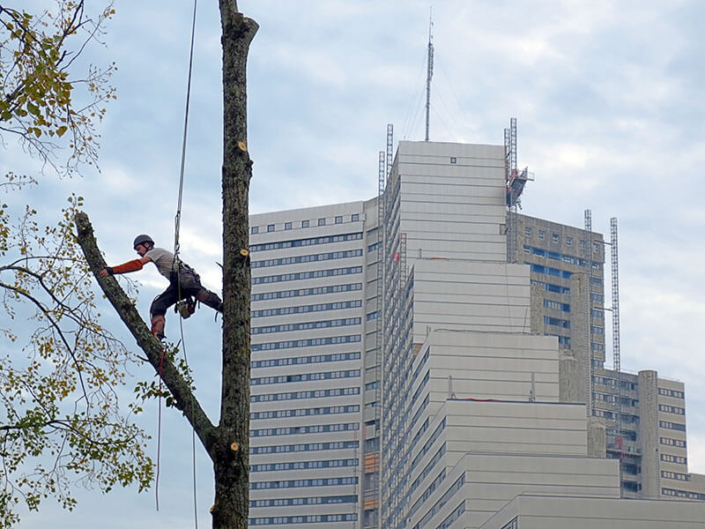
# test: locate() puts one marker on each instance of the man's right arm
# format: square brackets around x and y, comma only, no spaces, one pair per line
[129,266]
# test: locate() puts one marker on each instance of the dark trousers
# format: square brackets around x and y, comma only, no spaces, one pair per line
[182,285]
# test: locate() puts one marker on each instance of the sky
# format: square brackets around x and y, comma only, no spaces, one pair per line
[609,100]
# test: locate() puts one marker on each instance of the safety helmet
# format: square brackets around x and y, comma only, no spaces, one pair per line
[141,239]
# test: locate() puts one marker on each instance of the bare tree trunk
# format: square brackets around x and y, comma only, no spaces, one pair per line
[232,462]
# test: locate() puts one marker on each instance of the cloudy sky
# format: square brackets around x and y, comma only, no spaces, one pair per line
[609,99]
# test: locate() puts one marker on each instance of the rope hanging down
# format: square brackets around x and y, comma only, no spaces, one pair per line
[177,248]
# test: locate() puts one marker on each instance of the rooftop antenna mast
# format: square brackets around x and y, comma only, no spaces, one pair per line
[429,72]
[615,296]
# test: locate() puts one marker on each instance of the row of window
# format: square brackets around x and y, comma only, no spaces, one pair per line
[668,458]
[671,393]
[673,442]
[304,412]
[452,491]
[307,325]
[427,493]
[311,394]
[338,219]
[549,287]
[304,309]
[428,444]
[540,269]
[313,518]
[671,409]
[612,383]
[312,258]
[556,305]
[305,377]
[316,291]
[302,483]
[428,469]
[603,413]
[557,322]
[311,241]
[453,517]
[672,426]
[301,360]
[667,474]
[312,274]
[311,342]
[556,239]
[288,502]
[683,494]
[305,465]
[304,447]
[300,430]
[561,257]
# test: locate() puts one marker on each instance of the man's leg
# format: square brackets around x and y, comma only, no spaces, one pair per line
[209,298]
[158,310]
[191,286]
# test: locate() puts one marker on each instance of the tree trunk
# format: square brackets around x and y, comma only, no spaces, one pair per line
[231,461]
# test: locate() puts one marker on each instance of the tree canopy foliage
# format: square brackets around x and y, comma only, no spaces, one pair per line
[42,100]
[63,418]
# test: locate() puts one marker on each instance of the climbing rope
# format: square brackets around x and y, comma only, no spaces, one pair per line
[177,248]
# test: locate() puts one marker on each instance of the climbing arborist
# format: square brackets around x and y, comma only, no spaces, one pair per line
[184,282]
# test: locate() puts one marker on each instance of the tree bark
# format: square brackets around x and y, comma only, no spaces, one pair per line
[231,465]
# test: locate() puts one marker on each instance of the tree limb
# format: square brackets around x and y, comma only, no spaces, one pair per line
[183,395]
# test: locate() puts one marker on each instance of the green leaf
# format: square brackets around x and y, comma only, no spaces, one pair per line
[33,109]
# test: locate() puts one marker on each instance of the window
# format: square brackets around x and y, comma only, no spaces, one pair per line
[555,238]
[583,245]
[339,219]
[355,217]
[304,224]
[254,230]
[270,228]
[288,225]
[321,222]
[569,241]
[453,159]
[527,232]
[542,235]
[596,247]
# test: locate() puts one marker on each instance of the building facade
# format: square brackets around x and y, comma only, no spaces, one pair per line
[406,375]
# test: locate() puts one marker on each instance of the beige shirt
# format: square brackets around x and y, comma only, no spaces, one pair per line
[164,260]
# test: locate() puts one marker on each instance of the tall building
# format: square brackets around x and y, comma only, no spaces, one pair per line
[406,375]
[308,382]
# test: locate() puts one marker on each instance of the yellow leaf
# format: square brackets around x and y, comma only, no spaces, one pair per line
[61,130]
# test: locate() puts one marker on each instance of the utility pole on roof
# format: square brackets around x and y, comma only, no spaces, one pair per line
[429,72]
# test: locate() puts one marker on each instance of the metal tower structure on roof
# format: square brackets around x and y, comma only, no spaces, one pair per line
[615,296]
[589,368]
[515,182]
[429,73]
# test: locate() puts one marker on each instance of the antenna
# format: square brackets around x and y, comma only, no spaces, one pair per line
[615,296]
[390,149]
[429,73]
